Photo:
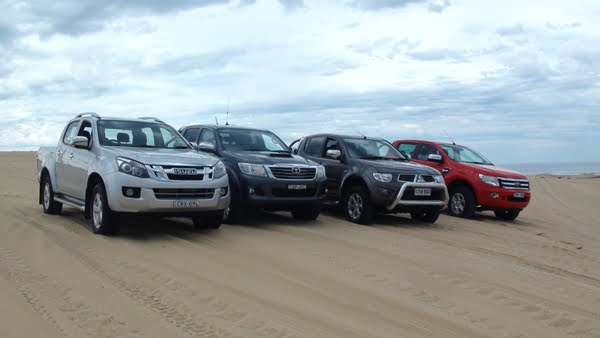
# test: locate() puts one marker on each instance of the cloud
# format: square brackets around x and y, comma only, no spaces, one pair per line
[291,5]
[511,30]
[382,4]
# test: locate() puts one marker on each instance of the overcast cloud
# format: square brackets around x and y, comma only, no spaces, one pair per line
[519,81]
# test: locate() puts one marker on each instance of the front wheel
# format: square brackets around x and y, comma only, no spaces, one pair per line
[507,214]
[49,206]
[462,202]
[103,220]
[306,213]
[429,215]
[211,221]
[357,206]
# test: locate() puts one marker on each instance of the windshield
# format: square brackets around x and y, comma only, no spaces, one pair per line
[139,134]
[463,154]
[251,140]
[372,149]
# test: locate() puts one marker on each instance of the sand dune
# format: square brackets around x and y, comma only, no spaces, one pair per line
[536,277]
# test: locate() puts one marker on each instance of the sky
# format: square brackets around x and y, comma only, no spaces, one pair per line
[519,81]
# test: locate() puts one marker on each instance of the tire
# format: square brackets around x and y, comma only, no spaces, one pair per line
[49,206]
[102,220]
[427,215]
[235,214]
[357,206]
[210,221]
[462,202]
[307,213]
[507,214]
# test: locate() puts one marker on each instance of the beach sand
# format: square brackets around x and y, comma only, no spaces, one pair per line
[276,277]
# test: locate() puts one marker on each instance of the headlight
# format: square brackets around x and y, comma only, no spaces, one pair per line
[438,178]
[321,171]
[491,180]
[131,167]
[253,169]
[219,170]
[385,178]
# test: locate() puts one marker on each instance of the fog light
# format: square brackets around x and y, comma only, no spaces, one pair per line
[131,192]
[223,192]
[494,195]
[251,191]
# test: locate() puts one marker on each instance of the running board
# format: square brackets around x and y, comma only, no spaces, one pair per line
[70,202]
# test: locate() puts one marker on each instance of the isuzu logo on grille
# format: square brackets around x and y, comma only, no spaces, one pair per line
[185,171]
[296,169]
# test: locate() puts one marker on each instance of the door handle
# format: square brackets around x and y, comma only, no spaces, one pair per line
[71,155]
[58,153]
[446,170]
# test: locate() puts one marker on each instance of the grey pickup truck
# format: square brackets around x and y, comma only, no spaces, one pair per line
[108,167]
[368,175]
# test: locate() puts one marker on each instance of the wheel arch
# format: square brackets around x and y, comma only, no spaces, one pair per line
[352,181]
[93,179]
[464,183]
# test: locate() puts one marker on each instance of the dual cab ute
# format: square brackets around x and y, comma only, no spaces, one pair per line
[263,172]
[108,166]
[475,184]
[368,175]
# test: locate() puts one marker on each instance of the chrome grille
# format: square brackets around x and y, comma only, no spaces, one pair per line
[514,183]
[181,173]
[293,172]
[179,194]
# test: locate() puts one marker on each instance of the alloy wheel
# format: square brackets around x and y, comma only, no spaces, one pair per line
[355,205]
[458,204]
[97,211]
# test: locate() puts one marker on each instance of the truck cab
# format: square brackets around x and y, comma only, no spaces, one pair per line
[474,183]
[263,172]
[367,175]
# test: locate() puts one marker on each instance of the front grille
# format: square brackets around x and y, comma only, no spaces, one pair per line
[174,177]
[415,178]
[436,195]
[283,192]
[513,183]
[287,173]
[178,194]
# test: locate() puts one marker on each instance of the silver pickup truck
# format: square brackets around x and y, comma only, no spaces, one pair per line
[107,167]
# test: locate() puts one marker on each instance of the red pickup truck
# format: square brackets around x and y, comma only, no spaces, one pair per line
[474,183]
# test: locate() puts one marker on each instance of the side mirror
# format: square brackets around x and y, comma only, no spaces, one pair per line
[435,158]
[80,142]
[408,157]
[206,146]
[333,154]
[194,145]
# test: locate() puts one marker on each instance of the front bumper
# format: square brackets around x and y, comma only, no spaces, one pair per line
[506,198]
[404,200]
[149,203]
[275,193]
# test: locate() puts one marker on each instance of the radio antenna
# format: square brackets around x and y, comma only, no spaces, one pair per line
[227,114]
[216,121]
[361,134]
[449,137]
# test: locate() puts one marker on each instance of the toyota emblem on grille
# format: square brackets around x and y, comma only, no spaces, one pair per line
[296,169]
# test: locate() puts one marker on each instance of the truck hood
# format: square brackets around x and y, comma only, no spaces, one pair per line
[172,157]
[493,170]
[267,157]
[400,167]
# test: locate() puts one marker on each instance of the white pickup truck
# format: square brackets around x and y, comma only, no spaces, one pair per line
[107,167]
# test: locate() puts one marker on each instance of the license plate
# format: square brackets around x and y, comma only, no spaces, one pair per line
[519,194]
[185,171]
[422,191]
[297,186]
[186,204]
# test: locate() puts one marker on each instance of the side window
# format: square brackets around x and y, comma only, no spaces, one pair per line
[207,136]
[314,146]
[192,134]
[451,153]
[407,149]
[330,144]
[426,150]
[70,132]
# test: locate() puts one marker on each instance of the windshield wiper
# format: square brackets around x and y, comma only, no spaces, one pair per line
[372,158]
